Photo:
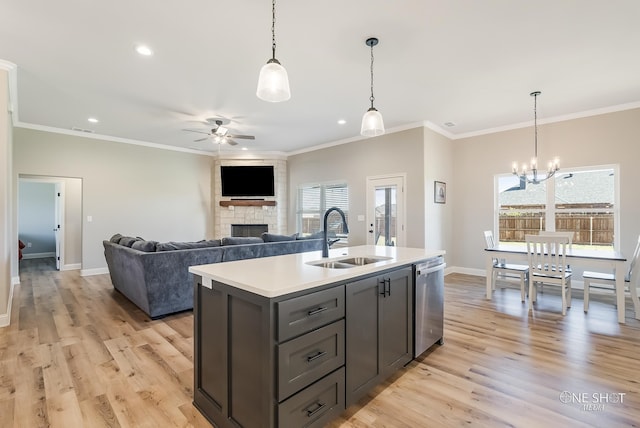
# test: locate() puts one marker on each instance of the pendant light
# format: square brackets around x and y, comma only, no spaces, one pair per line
[532,175]
[273,82]
[372,124]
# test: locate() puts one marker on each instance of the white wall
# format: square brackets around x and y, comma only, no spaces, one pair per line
[438,166]
[400,152]
[598,140]
[6,208]
[157,194]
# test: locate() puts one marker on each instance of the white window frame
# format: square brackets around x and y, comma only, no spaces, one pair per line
[322,203]
[550,209]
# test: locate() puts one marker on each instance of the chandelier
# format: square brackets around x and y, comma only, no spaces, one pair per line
[531,175]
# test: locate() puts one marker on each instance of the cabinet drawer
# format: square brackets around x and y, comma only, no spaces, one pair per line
[301,314]
[316,405]
[307,358]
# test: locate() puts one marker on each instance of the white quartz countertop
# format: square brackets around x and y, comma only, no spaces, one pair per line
[280,275]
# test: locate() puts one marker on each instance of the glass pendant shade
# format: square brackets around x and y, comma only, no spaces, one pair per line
[273,82]
[372,124]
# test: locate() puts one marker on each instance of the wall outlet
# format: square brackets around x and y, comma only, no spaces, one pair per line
[29,245]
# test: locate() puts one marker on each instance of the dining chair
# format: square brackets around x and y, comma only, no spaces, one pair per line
[547,265]
[607,281]
[506,271]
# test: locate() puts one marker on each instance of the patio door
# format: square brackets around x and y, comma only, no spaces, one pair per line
[385,210]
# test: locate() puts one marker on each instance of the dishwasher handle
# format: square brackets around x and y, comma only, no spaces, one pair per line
[427,271]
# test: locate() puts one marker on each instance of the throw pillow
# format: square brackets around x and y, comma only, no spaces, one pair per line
[240,240]
[115,238]
[146,246]
[272,237]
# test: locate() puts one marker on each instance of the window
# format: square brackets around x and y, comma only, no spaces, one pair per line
[580,200]
[314,200]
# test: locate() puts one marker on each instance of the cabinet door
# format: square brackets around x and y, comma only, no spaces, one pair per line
[362,337]
[396,321]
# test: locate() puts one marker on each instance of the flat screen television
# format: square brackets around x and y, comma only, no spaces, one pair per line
[247,180]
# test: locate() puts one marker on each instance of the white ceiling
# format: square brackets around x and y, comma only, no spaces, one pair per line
[470,62]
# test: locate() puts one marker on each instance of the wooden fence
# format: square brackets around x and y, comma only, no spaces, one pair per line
[588,228]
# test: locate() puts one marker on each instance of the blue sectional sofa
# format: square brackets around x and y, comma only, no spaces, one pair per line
[155,276]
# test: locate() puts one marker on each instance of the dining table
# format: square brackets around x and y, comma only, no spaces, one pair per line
[607,260]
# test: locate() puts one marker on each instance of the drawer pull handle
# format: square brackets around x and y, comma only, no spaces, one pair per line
[317,310]
[315,356]
[319,407]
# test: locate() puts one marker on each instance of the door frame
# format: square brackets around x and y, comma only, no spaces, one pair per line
[380,181]
[59,214]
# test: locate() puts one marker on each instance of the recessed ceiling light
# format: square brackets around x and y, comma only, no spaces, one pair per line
[244,148]
[93,120]
[144,50]
[341,122]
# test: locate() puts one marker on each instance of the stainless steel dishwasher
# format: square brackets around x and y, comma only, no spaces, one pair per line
[429,304]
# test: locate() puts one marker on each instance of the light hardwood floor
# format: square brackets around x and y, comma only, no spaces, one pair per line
[77,353]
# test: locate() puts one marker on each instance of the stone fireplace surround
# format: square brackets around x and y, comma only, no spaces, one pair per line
[273,215]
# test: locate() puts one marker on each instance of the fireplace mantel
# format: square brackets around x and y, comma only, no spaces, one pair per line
[247,203]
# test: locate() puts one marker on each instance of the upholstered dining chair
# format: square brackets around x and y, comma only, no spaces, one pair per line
[506,271]
[547,265]
[607,280]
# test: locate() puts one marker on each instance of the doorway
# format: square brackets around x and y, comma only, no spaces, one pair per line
[385,210]
[49,219]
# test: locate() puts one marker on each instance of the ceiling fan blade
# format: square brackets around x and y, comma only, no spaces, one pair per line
[246,137]
[201,139]
[231,142]
[198,131]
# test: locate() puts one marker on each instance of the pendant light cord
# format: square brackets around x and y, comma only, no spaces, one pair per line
[535,123]
[371,98]
[273,28]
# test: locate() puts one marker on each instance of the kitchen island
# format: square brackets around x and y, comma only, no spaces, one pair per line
[292,340]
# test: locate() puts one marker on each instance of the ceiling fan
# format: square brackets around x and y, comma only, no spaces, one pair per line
[220,134]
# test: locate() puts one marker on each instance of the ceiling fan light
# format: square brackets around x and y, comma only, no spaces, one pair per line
[372,124]
[273,82]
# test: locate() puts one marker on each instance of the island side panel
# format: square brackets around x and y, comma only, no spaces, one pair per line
[234,353]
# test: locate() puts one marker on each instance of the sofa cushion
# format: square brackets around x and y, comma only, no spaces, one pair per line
[171,245]
[146,246]
[272,237]
[128,241]
[241,240]
[115,238]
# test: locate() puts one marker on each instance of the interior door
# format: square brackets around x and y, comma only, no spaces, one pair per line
[57,229]
[385,211]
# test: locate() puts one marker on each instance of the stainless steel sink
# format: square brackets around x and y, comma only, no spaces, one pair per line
[361,261]
[331,264]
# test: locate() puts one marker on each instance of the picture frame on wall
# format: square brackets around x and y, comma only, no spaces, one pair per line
[439,192]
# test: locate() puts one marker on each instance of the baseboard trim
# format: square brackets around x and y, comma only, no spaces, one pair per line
[5,319]
[15,280]
[38,255]
[74,266]
[96,271]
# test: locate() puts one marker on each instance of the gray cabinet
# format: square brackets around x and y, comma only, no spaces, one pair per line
[296,360]
[262,362]
[379,331]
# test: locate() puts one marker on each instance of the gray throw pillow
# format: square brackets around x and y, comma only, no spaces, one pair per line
[240,240]
[272,237]
[146,246]
[127,241]
[115,238]
[170,246]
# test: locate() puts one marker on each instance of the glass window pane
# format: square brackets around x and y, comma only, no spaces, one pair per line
[521,209]
[584,205]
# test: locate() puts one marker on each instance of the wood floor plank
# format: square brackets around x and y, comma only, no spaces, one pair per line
[78,353]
